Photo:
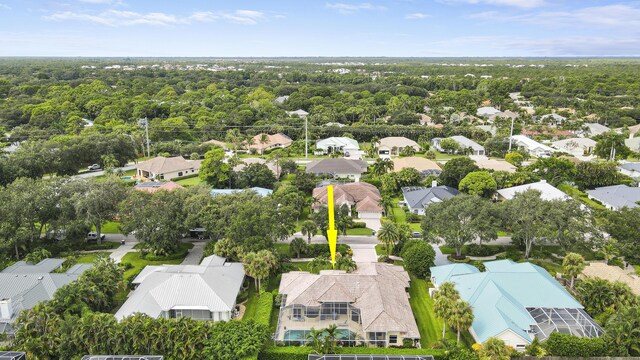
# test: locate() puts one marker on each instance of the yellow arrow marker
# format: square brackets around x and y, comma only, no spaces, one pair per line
[332,233]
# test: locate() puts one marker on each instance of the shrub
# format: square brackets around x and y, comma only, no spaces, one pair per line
[479,265]
[572,346]
[265,306]
[482,250]
[453,259]
[184,177]
[37,255]
[358,225]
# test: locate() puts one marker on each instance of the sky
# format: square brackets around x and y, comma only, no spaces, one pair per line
[332,28]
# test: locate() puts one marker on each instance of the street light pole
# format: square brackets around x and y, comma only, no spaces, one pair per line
[511,134]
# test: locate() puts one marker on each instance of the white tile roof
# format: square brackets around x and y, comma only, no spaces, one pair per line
[547,191]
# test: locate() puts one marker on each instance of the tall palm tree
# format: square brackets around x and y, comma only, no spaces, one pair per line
[444,298]
[389,235]
[386,202]
[381,166]
[572,265]
[331,335]
[461,317]
[495,349]
[297,247]
[309,229]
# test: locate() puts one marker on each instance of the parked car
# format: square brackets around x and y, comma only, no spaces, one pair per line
[93,237]
[346,154]
[94,167]
[416,234]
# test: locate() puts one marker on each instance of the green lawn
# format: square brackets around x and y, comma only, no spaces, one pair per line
[190,181]
[580,196]
[429,325]
[138,263]
[90,258]
[381,249]
[283,249]
[637,267]
[109,227]
[251,306]
[359,231]
[551,267]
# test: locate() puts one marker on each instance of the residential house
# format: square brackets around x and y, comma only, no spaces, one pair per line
[612,273]
[23,285]
[533,147]
[418,198]
[361,195]
[370,306]
[516,302]
[202,292]
[593,129]
[553,119]
[281,99]
[336,124]
[218,143]
[272,165]
[487,111]
[578,147]
[338,168]
[547,191]
[616,197]
[484,162]
[630,169]
[258,190]
[503,114]
[336,144]
[299,113]
[163,168]
[393,145]
[265,142]
[633,143]
[423,165]
[466,145]
[153,186]
[491,129]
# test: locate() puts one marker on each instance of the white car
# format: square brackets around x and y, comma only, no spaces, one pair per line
[93,237]
[93,167]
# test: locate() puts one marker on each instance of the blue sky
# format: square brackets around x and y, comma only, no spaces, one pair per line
[393,28]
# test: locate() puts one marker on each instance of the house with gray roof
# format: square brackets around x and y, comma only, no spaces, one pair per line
[465,144]
[370,305]
[616,197]
[516,302]
[203,292]
[630,169]
[338,168]
[23,285]
[593,129]
[418,198]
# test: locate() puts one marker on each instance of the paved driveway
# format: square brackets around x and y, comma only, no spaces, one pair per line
[373,224]
[195,254]
[364,253]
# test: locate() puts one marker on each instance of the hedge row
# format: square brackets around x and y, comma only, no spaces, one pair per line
[184,177]
[265,305]
[572,346]
[302,352]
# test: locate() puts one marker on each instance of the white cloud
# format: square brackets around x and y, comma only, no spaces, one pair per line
[117,18]
[607,16]
[417,16]
[4,7]
[346,9]
[516,3]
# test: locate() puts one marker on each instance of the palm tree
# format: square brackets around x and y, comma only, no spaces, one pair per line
[461,317]
[386,202]
[381,166]
[258,265]
[309,229]
[495,349]
[609,250]
[298,247]
[572,265]
[331,334]
[444,298]
[389,235]
[316,338]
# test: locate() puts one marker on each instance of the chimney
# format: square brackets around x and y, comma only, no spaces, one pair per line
[434,183]
[6,310]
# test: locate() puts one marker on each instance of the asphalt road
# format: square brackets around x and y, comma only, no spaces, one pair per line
[91,174]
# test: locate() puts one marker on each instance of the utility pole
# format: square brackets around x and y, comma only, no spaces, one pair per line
[146,130]
[306,137]
[511,134]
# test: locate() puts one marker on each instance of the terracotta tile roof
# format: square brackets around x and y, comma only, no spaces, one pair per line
[352,194]
[163,165]
[272,140]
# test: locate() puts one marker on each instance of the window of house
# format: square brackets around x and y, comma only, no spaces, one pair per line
[313,312]
[180,173]
[355,315]
[393,339]
[297,312]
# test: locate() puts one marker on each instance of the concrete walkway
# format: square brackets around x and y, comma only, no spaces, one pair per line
[441,259]
[195,254]
[120,252]
[364,253]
